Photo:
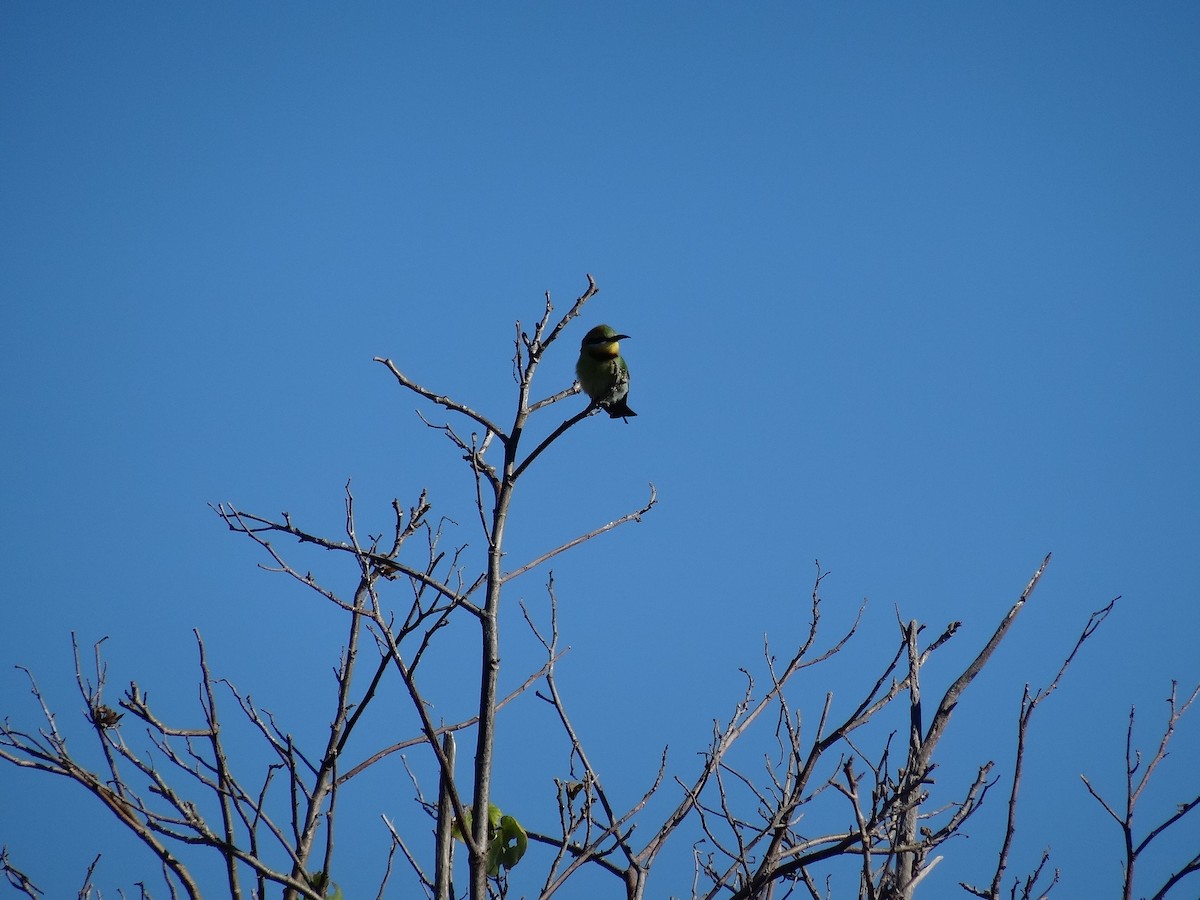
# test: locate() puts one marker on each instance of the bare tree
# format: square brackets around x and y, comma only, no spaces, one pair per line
[783,796]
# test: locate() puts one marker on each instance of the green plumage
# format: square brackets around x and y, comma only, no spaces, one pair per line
[602,371]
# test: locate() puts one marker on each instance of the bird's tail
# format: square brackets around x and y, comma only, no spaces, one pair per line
[619,410]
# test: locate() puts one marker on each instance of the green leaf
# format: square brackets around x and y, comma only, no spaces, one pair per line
[511,831]
[494,816]
[507,840]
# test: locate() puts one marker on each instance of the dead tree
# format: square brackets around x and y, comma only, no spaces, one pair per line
[784,795]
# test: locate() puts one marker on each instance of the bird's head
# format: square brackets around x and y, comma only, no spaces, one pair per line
[602,342]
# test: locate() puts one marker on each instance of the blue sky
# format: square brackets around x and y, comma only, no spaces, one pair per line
[914,290]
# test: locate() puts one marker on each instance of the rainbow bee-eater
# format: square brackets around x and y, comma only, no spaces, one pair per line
[602,371]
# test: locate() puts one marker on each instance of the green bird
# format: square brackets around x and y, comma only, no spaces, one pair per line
[602,371]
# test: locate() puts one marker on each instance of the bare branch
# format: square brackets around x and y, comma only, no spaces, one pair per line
[941,718]
[575,542]
[591,409]
[1134,787]
[441,730]
[19,879]
[1029,704]
[439,399]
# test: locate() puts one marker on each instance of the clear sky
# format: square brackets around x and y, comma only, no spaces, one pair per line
[914,290]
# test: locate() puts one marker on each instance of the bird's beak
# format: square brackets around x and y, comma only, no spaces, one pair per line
[621,337]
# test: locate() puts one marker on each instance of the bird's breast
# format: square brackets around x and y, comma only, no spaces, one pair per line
[605,351]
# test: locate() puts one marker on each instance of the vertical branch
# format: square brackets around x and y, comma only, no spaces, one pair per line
[1133,761]
[443,887]
[494,581]
[908,860]
[223,786]
[326,778]
[490,665]
[850,791]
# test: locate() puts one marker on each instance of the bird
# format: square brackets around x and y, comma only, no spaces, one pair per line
[602,371]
